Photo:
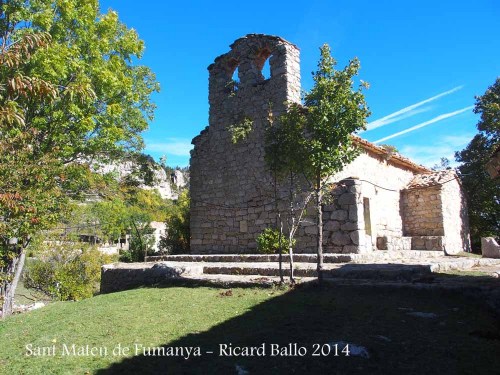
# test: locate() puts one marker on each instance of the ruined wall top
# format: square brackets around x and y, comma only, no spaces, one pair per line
[249,54]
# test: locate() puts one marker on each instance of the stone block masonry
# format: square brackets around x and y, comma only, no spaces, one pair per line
[423,212]
[435,213]
[231,193]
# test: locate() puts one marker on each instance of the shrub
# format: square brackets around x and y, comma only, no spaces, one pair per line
[65,270]
[268,242]
[141,241]
[178,233]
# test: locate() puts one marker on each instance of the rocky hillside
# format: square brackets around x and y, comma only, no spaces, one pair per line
[148,174]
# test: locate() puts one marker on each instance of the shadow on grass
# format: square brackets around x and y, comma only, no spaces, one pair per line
[376,318]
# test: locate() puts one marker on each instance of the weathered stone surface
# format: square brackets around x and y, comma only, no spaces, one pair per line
[331,226]
[243,226]
[490,247]
[347,198]
[339,238]
[311,229]
[353,212]
[358,237]
[428,243]
[339,215]
[122,276]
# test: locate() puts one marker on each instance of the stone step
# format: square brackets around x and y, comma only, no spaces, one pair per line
[428,243]
[349,271]
[121,276]
[301,258]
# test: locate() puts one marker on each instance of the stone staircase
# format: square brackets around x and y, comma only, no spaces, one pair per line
[387,266]
[376,256]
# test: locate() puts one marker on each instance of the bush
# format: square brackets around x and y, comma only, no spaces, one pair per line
[143,240]
[178,232]
[268,242]
[66,271]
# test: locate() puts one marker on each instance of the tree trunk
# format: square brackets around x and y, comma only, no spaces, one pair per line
[10,287]
[319,212]
[280,250]
[290,254]
[278,220]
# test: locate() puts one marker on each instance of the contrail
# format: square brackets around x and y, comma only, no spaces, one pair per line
[407,111]
[435,119]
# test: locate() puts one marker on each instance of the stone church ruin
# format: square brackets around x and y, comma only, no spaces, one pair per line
[381,201]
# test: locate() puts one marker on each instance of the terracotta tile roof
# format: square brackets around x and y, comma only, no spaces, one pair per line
[393,158]
[431,179]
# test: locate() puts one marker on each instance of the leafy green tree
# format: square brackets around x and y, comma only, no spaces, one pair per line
[483,193]
[281,155]
[177,221]
[29,187]
[130,211]
[69,91]
[315,138]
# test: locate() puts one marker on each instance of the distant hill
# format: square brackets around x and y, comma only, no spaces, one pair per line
[147,174]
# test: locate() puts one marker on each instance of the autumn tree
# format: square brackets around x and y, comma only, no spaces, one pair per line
[315,138]
[483,193]
[69,92]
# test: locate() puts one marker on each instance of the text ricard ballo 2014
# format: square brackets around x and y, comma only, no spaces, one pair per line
[186,352]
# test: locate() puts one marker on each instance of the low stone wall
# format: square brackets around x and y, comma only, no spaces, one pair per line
[394,243]
[436,243]
[122,276]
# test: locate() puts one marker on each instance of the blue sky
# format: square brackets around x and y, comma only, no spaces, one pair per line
[425,61]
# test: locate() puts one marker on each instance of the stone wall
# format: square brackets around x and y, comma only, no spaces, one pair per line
[435,213]
[455,217]
[344,228]
[231,193]
[122,276]
[423,212]
[381,182]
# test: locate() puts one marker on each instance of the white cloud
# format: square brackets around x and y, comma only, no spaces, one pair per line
[445,147]
[407,111]
[173,146]
[426,123]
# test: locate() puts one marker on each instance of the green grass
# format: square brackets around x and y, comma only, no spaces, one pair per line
[27,296]
[467,273]
[468,255]
[464,338]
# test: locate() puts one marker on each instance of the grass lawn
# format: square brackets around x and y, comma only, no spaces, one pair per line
[462,338]
[26,296]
